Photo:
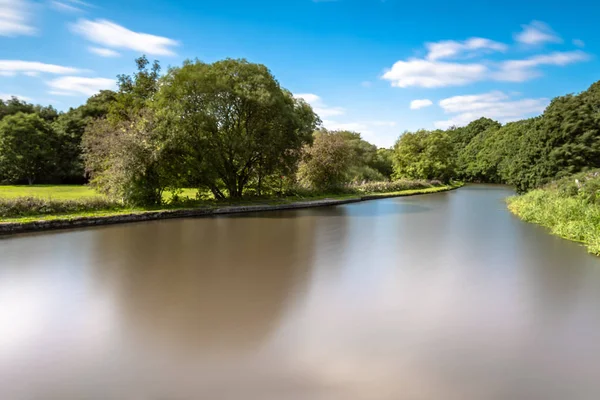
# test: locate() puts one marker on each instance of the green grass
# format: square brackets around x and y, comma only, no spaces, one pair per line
[54,192]
[573,215]
[69,195]
[67,192]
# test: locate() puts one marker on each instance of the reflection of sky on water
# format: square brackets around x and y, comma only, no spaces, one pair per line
[442,296]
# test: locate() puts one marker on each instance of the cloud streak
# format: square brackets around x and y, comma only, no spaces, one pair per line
[32,68]
[15,18]
[536,33]
[469,48]
[417,104]
[434,74]
[319,106]
[496,105]
[111,35]
[77,85]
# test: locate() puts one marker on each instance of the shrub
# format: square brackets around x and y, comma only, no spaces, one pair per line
[394,186]
[30,206]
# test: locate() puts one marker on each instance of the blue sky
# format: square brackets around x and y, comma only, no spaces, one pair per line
[377,67]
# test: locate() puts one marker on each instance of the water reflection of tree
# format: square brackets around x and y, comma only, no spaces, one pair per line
[220,283]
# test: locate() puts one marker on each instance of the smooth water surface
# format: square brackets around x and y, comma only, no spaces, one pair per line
[442,297]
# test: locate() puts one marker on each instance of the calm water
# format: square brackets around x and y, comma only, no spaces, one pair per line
[443,296]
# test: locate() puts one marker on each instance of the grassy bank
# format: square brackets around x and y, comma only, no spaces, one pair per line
[570,208]
[47,208]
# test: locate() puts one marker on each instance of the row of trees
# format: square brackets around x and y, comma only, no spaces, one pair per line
[230,129]
[38,144]
[529,153]
[227,128]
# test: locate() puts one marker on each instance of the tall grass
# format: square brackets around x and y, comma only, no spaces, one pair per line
[570,208]
[394,186]
[30,206]
[43,203]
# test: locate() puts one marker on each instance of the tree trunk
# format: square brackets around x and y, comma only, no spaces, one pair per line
[30,180]
[217,193]
[259,188]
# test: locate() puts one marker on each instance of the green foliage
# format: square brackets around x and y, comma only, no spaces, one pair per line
[326,164]
[14,106]
[27,148]
[127,160]
[234,124]
[394,186]
[570,208]
[424,155]
[564,140]
[384,162]
[29,206]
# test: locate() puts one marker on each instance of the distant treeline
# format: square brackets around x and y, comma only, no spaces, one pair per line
[527,154]
[229,129]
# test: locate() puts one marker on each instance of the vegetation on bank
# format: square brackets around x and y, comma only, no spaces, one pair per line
[569,207]
[227,131]
[25,210]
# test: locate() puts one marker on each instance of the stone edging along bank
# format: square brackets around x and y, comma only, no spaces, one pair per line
[81,222]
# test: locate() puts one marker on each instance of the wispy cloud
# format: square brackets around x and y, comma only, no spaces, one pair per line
[417,104]
[32,68]
[77,85]
[537,32]
[322,109]
[522,70]
[469,48]
[496,105]
[111,35]
[433,74]
[103,52]
[15,18]
[64,7]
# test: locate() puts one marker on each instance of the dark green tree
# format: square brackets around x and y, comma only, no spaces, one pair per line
[27,148]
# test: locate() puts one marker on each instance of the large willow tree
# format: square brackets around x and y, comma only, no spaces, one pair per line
[235,123]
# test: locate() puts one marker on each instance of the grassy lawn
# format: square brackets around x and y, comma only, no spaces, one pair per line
[65,192]
[55,192]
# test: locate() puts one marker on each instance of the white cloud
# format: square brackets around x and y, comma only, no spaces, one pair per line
[537,32]
[522,70]
[4,96]
[103,52]
[77,85]
[81,3]
[578,42]
[318,106]
[109,34]
[64,7]
[496,105]
[15,18]
[31,68]
[416,104]
[431,74]
[469,48]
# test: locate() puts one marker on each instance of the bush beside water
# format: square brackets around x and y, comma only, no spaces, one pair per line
[569,207]
[30,206]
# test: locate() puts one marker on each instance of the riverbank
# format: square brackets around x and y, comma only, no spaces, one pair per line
[110,217]
[569,208]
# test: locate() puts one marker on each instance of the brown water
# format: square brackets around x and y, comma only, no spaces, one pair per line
[442,297]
